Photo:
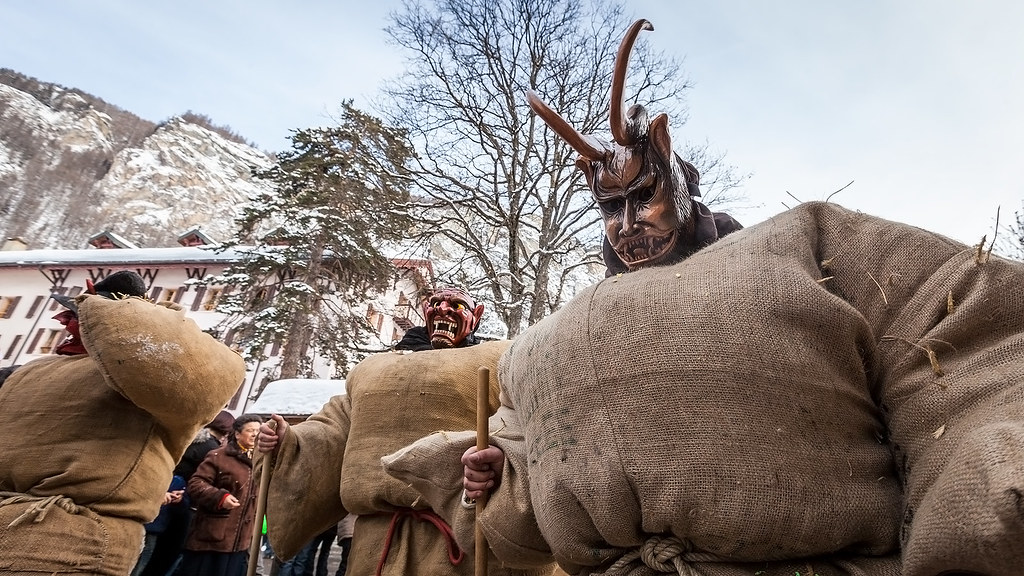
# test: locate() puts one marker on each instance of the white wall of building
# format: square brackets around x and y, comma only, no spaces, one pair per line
[28,277]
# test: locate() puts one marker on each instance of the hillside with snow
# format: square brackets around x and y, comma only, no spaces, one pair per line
[72,166]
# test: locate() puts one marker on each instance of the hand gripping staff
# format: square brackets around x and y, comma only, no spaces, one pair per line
[261,503]
[483,393]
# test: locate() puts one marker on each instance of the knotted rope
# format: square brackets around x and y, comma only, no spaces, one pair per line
[41,505]
[455,554]
[666,555]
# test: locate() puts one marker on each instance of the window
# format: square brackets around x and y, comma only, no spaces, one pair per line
[7,305]
[197,300]
[233,403]
[35,340]
[374,318]
[35,306]
[169,295]
[13,347]
[51,341]
[265,294]
[212,296]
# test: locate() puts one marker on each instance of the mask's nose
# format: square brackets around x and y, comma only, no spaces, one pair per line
[629,218]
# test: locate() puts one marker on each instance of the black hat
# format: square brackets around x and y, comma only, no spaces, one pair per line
[120,285]
[65,301]
[115,287]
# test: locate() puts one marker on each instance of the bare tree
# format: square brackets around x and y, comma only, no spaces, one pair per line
[506,212]
[1013,246]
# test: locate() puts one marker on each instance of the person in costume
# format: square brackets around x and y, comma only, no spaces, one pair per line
[451,317]
[108,414]
[647,194]
[329,465]
[824,393]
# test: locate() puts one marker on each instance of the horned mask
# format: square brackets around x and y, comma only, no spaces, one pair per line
[643,188]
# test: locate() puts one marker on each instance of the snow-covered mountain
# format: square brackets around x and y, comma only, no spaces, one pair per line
[72,165]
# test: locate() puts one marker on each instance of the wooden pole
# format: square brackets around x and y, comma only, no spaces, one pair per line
[261,503]
[483,394]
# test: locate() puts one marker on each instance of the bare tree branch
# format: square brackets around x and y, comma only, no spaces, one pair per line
[503,201]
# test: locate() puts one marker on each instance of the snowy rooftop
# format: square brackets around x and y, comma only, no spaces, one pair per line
[32,258]
[151,256]
[296,396]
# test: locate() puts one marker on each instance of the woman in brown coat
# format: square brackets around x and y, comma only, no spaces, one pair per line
[224,497]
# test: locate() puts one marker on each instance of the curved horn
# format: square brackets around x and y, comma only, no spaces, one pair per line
[587,146]
[619,132]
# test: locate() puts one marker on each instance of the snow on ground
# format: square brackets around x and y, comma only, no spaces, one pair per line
[296,396]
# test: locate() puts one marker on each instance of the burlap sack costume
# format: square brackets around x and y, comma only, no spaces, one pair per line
[91,439]
[330,464]
[826,392]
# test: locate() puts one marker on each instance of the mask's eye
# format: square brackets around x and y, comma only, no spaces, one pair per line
[460,306]
[613,206]
[645,195]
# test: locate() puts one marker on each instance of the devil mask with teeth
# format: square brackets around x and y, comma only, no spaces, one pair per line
[644,190]
[452,317]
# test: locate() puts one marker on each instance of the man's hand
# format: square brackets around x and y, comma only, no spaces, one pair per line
[482,470]
[269,437]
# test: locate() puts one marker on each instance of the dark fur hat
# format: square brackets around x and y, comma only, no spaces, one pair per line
[118,285]
[223,423]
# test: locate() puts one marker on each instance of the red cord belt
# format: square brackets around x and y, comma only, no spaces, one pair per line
[455,554]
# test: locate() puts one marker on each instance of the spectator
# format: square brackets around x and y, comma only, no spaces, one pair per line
[345,529]
[169,543]
[209,438]
[173,499]
[320,551]
[298,564]
[224,497]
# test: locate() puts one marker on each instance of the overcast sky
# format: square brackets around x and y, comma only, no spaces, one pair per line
[918,103]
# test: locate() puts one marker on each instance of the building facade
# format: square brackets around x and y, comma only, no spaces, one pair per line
[28,278]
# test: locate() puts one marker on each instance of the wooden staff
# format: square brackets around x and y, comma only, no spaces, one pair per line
[261,503]
[483,394]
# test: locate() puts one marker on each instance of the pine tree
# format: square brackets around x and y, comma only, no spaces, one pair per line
[312,244]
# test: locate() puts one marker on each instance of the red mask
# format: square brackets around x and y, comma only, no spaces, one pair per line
[451,316]
[72,345]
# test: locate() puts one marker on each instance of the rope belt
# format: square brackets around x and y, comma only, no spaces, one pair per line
[455,554]
[666,555]
[41,505]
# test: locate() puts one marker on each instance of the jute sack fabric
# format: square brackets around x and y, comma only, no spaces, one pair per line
[329,465]
[94,438]
[824,391]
